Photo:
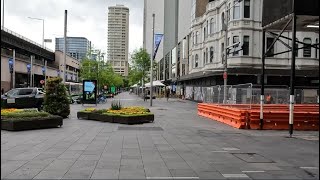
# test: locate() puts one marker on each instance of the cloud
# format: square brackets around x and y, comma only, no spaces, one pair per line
[86,18]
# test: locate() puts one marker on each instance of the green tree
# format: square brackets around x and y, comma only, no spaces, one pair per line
[140,67]
[56,101]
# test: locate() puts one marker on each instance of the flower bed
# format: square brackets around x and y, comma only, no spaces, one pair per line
[127,115]
[19,119]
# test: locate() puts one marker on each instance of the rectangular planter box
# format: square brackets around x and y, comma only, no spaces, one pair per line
[31,123]
[101,117]
[133,119]
[83,115]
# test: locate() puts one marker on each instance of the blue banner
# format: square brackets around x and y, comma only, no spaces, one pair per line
[157,41]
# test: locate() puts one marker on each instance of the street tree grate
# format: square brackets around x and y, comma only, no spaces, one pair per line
[128,128]
[252,158]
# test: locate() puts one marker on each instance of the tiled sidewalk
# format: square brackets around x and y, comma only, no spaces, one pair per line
[178,145]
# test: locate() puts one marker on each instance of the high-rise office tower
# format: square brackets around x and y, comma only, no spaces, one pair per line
[118,38]
[77,47]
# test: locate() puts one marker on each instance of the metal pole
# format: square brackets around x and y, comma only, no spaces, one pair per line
[262,77]
[151,68]
[31,72]
[2,13]
[42,32]
[225,72]
[14,69]
[45,72]
[65,46]
[293,64]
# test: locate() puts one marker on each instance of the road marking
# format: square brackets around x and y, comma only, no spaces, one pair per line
[172,177]
[219,151]
[230,149]
[309,167]
[253,171]
[235,175]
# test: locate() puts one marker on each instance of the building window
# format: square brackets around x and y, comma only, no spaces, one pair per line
[207,55]
[316,50]
[246,10]
[269,42]
[204,58]
[306,48]
[207,32]
[235,40]
[196,61]
[211,54]
[245,46]
[193,39]
[204,33]
[211,26]
[197,37]
[297,49]
[236,10]
[228,12]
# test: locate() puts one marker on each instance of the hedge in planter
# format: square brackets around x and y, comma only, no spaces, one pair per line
[56,101]
[16,120]
[128,115]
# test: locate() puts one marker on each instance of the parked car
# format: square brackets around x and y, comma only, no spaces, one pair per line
[23,98]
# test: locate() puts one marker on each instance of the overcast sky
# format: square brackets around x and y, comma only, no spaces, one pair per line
[86,18]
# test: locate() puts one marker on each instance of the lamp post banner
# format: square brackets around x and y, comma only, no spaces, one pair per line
[157,41]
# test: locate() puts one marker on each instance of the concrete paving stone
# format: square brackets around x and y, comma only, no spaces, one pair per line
[267,166]
[78,147]
[182,173]
[50,175]
[105,164]
[60,165]
[157,172]
[105,174]
[177,165]
[10,166]
[23,174]
[70,154]
[89,157]
[210,175]
[37,164]
[132,174]
[78,174]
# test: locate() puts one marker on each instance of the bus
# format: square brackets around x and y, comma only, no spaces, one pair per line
[74,88]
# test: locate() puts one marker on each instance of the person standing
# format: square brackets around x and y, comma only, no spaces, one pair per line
[167,93]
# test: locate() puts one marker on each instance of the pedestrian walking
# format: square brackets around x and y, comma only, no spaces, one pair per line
[167,93]
[269,99]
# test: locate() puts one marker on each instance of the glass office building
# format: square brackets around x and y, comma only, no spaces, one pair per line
[77,47]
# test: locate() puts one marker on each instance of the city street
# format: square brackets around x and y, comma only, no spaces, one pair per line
[179,144]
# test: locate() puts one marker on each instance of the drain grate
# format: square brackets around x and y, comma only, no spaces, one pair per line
[252,158]
[126,128]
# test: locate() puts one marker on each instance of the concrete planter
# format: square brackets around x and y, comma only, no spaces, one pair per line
[116,118]
[18,124]
[83,115]
[133,119]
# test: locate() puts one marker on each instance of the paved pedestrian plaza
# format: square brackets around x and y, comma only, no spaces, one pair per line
[178,145]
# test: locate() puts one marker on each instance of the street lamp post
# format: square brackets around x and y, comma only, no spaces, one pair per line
[2,13]
[225,27]
[42,28]
[151,66]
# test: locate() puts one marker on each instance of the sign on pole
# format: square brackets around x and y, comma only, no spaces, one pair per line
[157,41]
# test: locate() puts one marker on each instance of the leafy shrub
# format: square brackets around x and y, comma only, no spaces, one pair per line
[56,101]
[116,105]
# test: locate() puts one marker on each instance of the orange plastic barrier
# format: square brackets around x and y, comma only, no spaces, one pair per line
[276,117]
